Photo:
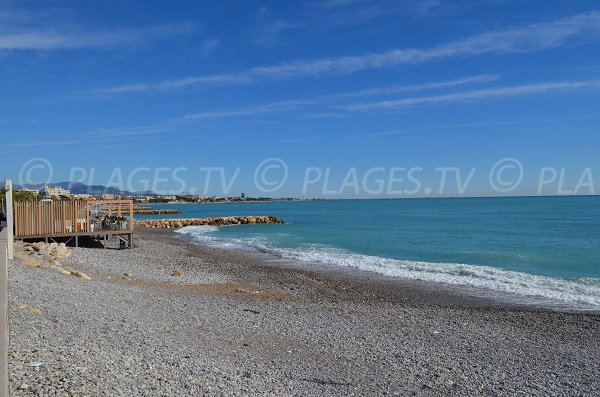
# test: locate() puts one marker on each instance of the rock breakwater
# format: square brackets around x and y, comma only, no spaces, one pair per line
[219,221]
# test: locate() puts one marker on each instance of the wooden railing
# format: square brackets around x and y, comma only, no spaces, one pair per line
[120,213]
[72,217]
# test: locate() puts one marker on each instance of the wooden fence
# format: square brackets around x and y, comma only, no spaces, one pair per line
[64,218]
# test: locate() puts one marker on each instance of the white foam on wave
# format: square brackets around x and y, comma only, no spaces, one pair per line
[584,291]
[195,231]
[201,233]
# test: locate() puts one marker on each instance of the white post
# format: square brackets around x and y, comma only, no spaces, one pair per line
[3,313]
[10,217]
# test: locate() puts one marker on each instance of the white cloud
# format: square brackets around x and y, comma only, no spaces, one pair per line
[483,78]
[385,133]
[96,136]
[456,97]
[27,38]
[272,107]
[208,45]
[127,131]
[269,33]
[582,28]
[295,104]
[490,93]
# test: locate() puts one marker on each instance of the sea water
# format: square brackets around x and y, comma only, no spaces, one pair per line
[542,247]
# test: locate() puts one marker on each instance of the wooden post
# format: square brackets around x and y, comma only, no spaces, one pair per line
[4,243]
[88,228]
[131,217]
[10,214]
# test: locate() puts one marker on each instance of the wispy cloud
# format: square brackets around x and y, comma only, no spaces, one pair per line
[268,30]
[581,28]
[333,3]
[54,142]
[483,78]
[509,123]
[174,125]
[125,132]
[269,33]
[272,107]
[74,38]
[242,79]
[490,93]
[333,107]
[341,13]
[208,45]
[103,135]
[385,133]
[296,104]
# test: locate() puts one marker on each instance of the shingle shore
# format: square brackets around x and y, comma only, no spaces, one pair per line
[172,319]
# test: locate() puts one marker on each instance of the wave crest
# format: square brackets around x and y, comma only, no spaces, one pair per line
[571,291]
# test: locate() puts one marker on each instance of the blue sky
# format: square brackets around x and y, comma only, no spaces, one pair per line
[125,93]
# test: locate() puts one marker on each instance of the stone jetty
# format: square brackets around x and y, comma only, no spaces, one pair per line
[220,221]
[152,211]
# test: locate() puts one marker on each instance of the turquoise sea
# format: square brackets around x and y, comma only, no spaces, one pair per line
[531,247]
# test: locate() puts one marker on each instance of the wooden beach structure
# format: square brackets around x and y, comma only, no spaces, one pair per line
[103,220]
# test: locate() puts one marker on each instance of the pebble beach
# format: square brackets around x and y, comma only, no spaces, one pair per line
[170,318]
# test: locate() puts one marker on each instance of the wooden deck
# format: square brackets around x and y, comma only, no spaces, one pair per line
[100,219]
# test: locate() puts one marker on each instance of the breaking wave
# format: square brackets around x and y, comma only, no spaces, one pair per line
[582,291]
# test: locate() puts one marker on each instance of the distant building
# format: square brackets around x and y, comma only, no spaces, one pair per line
[83,196]
[56,191]
[108,196]
[243,196]
[32,191]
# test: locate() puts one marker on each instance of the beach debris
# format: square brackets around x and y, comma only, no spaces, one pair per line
[176,273]
[62,270]
[79,274]
[34,364]
[36,310]
[251,311]
[249,291]
[23,306]
[128,274]
[71,272]
[24,386]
